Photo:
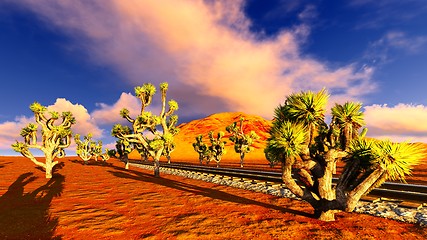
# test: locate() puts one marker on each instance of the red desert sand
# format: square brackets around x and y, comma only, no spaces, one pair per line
[99,201]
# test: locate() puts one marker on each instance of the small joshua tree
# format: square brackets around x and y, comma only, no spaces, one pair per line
[308,147]
[84,150]
[201,148]
[88,148]
[123,146]
[106,155]
[242,142]
[217,148]
[55,138]
[97,151]
[146,121]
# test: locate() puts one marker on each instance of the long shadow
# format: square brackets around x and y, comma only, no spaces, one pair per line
[92,163]
[206,192]
[3,164]
[26,215]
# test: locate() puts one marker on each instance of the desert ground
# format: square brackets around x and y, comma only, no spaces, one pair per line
[105,201]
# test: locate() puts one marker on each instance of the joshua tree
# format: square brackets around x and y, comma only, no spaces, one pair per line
[84,150]
[303,142]
[146,121]
[201,148]
[106,155]
[217,148]
[55,138]
[111,152]
[88,148]
[97,150]
[242,142]
[123,146]
[170,145]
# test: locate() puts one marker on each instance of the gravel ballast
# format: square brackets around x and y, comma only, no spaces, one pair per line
[385,209]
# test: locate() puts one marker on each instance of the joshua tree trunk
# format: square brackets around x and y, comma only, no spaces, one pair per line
[125,159]
[156,168]
[157,162]
[325,185]
[49,165]
[242,156]
[169,159]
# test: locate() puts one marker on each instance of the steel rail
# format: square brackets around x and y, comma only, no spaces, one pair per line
[398,191]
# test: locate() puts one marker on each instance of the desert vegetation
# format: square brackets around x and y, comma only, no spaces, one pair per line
[242,142]
[55,138]
[89,148]
[201,148]
[159,143]
[212,152]
[308,149]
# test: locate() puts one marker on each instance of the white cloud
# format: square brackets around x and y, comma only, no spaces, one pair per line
[84,122]
[401,122]
[110,114]
[203,48]
[400,40]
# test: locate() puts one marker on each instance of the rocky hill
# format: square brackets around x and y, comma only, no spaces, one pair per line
[218,122]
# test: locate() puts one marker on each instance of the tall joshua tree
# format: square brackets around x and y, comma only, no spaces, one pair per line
[242,142]
[305,145]
[148,122]
[55,138]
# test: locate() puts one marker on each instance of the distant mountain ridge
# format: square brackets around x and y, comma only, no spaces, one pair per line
[219,121]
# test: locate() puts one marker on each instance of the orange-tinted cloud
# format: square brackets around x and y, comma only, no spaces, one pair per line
[399,123]
[9,131]
[203,48]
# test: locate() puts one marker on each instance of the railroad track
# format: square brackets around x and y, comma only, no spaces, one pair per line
[406,195]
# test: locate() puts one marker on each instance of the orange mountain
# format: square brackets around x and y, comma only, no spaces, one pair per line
[218,122]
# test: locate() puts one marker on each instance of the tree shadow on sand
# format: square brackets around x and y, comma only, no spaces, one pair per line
[26,215]
[92,162]
[3,164]
[202,191]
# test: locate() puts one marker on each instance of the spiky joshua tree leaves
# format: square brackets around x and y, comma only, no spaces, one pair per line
[88,148]
[242,142]
[55,138]
[309,149]
[159,143]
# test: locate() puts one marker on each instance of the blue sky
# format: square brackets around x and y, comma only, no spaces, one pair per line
[87,56]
